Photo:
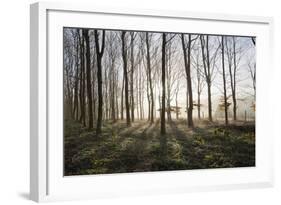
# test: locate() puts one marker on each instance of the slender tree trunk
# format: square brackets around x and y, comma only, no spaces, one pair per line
[169,116]
[177,113]
[234,81]
[122,99]
[188,77]
[187,102]
[75,108]
[198,91]
[94,89]
[112,83]
[209,81]
[199,105]
[224,83]
[168,84]
[99,54]
[163,126]
[148,99]
[116,95]
[88,69]
[209,103]
[132,77]
[149,77]
[137,89]
[232,75]
[124,56]
[206,64]
[82,81]
[140,94]
[106,93]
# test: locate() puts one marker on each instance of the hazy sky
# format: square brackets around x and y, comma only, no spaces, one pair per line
[245,56]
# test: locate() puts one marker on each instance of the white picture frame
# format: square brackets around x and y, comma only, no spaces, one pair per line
[47,182]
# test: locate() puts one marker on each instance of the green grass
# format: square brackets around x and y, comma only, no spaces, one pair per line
[141,148]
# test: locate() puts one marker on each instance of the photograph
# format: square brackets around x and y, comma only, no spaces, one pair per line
[145,101]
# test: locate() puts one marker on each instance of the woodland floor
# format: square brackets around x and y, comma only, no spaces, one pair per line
[141,148]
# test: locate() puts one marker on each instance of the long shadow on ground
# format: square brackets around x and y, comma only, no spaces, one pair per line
[142,148]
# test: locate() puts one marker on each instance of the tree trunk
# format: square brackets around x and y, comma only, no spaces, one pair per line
[75,107]
[206,64]
[122,99]
[82,81]
[149,78]
[199,105]
[132,77]
[232,75]
[116,94]
[99,54]
[124,56]
[112,85]
[137,96]
[234,81]
[88,70]
[224,82]
[148,98]
[163,126]
[188,77]
[177,113]
[209,81]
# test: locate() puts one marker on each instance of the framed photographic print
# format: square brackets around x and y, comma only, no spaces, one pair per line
[128,101]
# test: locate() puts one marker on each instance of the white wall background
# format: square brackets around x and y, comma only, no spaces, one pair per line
[14,101]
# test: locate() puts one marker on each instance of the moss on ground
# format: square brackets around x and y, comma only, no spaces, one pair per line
[141,148]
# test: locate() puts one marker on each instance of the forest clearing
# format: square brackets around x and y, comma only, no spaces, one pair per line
[141,148]
[137,101]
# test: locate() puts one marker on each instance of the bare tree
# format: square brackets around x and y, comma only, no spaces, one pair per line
[149,77]
[133,36]
[88,70]
[99,54]
[224,82]
[209,62]
[112,52]
[198,81]
[206,64]
[163,106]
[187,60]
[124,57]
[82,79]
[232,67]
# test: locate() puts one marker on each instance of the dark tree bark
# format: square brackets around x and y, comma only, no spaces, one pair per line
[168,80]
[148,98]
[140,94]
[224,82]
[116,95]
[82,80]
[177,113]
[132,76]
[233,87]
[199,88]
[149,78]
[199,104]
[124,56]
[231,54]
[99,54]
[75,107]
[207,72]
[88,70]
[112,85]
[137,95]
[94,73]
[188,77]
[122,98]
[163,106]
